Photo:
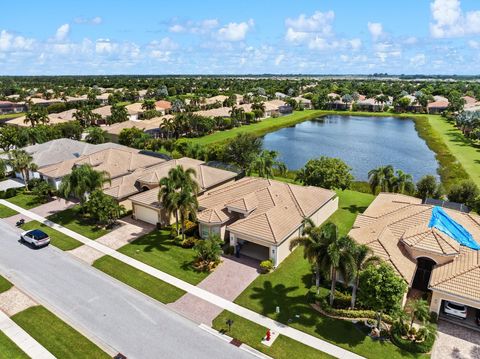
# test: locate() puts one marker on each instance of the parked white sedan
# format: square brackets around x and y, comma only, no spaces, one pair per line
[455,310]
[36,238]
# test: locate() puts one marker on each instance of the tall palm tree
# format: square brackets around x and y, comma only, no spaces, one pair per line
[403,182]
[22,162]
[36,117]
[82,181]
[381,178]
[168,197]
[168,127]
[265,163]
[180,193]
[362,257]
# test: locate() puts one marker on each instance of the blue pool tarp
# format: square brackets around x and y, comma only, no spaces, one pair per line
[443,222]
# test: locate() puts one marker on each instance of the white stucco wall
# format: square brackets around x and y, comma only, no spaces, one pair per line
[437,298]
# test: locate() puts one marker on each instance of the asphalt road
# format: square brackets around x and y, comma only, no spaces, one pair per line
[111,312]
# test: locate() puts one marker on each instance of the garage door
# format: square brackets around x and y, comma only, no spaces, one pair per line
[146,214]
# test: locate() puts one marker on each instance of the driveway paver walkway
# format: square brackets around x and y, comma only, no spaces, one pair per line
[228,280]
[129,230]
[14,301]
[255,317]
[456,342]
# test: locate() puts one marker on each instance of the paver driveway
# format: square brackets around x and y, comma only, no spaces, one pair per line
[228,280]
[129,230]
[456,342]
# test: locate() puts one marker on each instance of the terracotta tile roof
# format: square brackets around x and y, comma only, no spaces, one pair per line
[163,105]
[103,111]
[279,210]
[145,125]
[393,223]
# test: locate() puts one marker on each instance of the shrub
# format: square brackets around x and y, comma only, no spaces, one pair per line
[190,228]
[229,250]
[342,300]
[188,242]
[208,252]
[397,335]
[266,265]
[433,317]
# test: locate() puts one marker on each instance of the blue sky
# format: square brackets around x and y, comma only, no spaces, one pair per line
[252,36]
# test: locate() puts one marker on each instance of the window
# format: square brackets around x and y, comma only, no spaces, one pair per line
[205,232]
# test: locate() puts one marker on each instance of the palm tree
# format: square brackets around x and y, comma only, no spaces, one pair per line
[36,117]
[22,162]
[418,310]
[403,182]
[148,105]
[381,177]
[179,193]
[311,240]
[82,181]
[168,197]
[168,126]
[362,257]
[265,163]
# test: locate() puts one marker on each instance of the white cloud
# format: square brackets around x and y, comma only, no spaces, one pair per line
[235,31]
[355,44]
[302,27]
[105,46]
[412,40]
[97,20]
[376,30]
[195,27]
[62,32]
[164,44]
[450,21]
[279,59]
[474,44]
[418,60]
[176,28]
[11,42]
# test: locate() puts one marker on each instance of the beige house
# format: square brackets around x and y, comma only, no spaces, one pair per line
[53,119]
[401,231]
[146,206]
[151,126]
[260,217]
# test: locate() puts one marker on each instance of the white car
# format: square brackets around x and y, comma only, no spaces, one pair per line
[455,310]
[36,238]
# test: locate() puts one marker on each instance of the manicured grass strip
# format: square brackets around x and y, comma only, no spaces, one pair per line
[464,150]
[56,336]
[4,284]
[73,219]
[251,334]
[6,211]
[10,350]
[350,204]
[159,250]
[60,240]
[11,115]
[145,283]
[260,128]
[25,200]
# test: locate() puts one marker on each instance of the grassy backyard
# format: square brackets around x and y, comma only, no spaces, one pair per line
[466,152]
[159,250]
[11,115]
[4,285]
[289,285]
[251,334]
[10,350]
[143,282]
[73,219]
[65,243]
[56,336]
[6,212]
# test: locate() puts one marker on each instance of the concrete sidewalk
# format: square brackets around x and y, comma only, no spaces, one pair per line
[278,327]
[24,341]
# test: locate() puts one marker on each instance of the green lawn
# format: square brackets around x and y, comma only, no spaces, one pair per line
[11,115]
[56,336]
[10,350]
[259,128]
[289,285]
[60,240]
[159,250]
[6,211]
[25,200]
[73,219]
[4,284]
[145,283]
[251,334]
[466,151]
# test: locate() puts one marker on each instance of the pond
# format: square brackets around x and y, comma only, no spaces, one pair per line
[363,143]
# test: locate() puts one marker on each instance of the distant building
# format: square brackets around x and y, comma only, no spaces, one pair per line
[8,107]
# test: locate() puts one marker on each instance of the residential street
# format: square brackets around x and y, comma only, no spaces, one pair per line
[116,314]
